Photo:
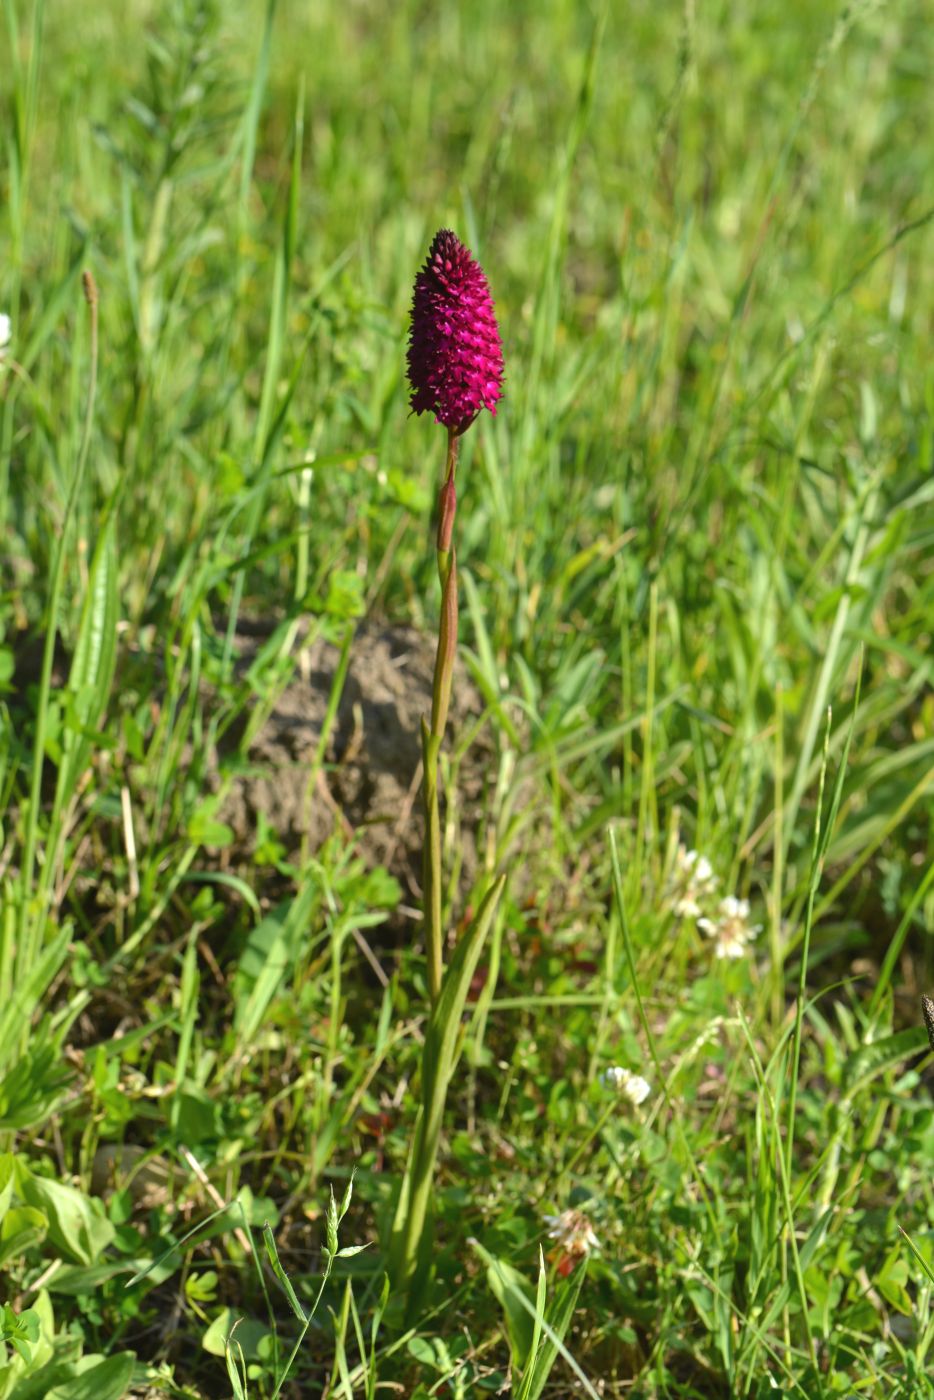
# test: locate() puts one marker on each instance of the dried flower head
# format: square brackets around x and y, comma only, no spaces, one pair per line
[731,929]
[632,1086]
[455,356]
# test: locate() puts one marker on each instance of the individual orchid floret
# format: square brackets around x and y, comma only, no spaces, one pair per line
[455,356]
[6,334]
[731,929]
[630,1086]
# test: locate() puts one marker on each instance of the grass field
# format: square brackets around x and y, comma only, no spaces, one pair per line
[697,596]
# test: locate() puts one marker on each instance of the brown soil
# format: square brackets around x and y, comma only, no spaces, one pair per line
[369,782]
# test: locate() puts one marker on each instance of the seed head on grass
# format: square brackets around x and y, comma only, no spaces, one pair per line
[927,1009]
[455,355]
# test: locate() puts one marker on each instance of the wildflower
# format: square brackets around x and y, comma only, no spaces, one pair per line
[575,1238]
[455,356]
[632,1086]
[6,332]
[731,929]
[693,882]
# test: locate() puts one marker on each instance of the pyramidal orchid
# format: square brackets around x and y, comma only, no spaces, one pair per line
[455,354]
[455,364]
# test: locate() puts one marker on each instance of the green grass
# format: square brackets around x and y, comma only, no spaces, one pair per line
[697,597]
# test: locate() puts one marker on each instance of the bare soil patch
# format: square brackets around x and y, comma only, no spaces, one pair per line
[369,780]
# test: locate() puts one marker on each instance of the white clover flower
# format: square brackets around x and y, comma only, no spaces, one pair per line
[731,929]
[573,1232]
[631,1086]
[692,882]
[6,333]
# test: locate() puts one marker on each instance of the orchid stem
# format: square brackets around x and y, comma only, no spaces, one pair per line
[433,734]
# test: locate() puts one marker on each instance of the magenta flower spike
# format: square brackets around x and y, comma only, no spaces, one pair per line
[455,355]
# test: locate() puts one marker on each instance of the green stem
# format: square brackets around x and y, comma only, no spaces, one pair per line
[431,865]
[410,1242]
[30,936]
[433,735]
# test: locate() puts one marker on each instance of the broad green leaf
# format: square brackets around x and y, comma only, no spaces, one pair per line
[22,1227]
[508,1287]
[195,1115]
[276,938]
[19,1014]
[870,1060]
[92,669]
[73,1280]
[423,1352]
[251,1334]
[6,1182]
[33,1086]
[206,830]
[891,1281]
[77,1223]
[98,1378]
